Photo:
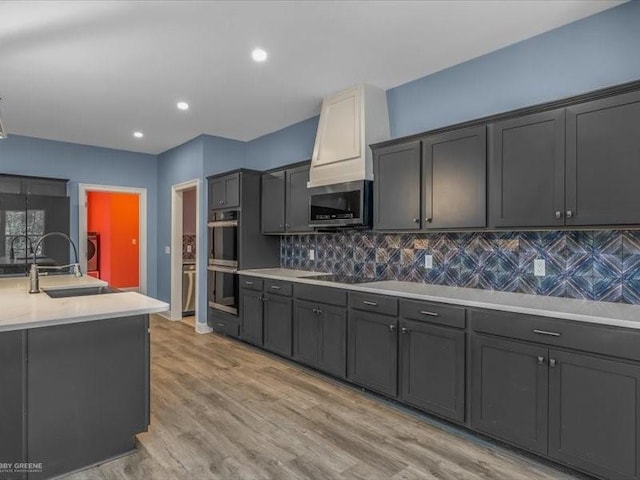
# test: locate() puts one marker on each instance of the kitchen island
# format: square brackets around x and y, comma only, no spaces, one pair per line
[74,376]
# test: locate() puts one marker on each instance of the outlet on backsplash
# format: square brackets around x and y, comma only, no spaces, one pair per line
[539,267]
[312,254]
[428,261]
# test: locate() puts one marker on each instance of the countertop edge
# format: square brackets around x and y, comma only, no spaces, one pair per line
[554,314]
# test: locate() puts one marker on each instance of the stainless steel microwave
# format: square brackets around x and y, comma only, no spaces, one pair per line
[342,205]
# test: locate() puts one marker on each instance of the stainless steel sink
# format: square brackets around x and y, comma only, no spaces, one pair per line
[80,292]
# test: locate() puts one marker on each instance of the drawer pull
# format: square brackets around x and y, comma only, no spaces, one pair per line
[552,362]
[431,314]
[275,287]
[545,332]
[372,304]
[222,325]
[405,330]
[248,283]
[392,328]
[540,360]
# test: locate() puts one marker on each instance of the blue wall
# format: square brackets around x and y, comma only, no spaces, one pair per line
[84,164]
[592,53]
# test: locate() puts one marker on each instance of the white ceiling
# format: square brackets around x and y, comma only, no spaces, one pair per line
[93,72]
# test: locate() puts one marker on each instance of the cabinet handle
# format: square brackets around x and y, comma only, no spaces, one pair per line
[222,325]
[405,330]
[431,314]
[372,304]
[544,332]
[287,225]
[540,360]
[558,214]
[319,312]
[282,226]
[264,299]
[392,328]
[416,220]
[552,362]
[569,213]
[221,202]
[275,287]
[248,283]
[314,310]
[428,220]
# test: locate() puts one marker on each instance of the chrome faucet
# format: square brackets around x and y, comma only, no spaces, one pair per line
[28,242]
[34,277]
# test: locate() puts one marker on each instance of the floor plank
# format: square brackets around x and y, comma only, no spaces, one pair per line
[223,410]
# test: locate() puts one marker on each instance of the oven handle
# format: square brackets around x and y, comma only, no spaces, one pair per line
[218,268]
[223,223]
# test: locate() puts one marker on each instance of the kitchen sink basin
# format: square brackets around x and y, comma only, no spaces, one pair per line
[80,292]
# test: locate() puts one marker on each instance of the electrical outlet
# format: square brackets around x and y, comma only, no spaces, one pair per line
[167,250]
[189,248]
[539,267]
[428,261]
[312,254]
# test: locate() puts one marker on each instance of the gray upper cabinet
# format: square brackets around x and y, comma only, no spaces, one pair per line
[273,202]
[224,192]
[52,187]
[285,201]
[297,201]
[594,414]
[454,189]
[396,187]
[509,387]
[527,170]
[432,368]
[603,161]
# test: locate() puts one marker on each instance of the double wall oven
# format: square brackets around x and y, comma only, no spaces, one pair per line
[223,261]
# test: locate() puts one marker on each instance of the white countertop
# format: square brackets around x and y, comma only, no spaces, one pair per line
[603,313]
[21,310]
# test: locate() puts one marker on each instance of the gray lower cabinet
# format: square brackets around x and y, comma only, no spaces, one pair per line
[277,324]
[251,316]
[526,164]
[12,391]
[454,185]
[273,202]
[594,414]
[509,388]
[432,368]
[88,392]
[373,351]
[603,141]
[320,336]
[396,189]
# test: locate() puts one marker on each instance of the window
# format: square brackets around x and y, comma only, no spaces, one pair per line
[16,223]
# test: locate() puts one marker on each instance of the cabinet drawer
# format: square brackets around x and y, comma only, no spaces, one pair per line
[373,303]
[433,313]
[278,287]
[314,293]
[599,339]
[221,323]
[252,283]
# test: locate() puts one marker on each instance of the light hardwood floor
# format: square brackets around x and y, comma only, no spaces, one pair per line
[223,410]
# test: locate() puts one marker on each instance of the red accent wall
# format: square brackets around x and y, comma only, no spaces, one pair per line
[115,216]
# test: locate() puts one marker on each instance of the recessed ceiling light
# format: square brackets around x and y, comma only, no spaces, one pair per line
[259,55]
[182,106]
[138,134]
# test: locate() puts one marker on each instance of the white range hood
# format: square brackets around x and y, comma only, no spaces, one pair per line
[349,122]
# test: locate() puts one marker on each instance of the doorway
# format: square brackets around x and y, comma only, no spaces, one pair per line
[185,250]
[112,233]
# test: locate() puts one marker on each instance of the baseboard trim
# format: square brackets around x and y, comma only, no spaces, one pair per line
[167,316]
[203,328]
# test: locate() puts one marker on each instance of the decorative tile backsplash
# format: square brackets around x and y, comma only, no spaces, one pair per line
[188,241]
[599,265]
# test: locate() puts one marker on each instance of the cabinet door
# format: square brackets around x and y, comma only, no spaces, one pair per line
[217,193]
[603,167]
[332,341]
[527,171]
[373,351]
[251,316]
[396,187]
[277,324]
[298,200]
[47,214]
[594,414]
[273,202]
[305,332]
[454,185]
[12,375]
[232,191]
[509,388]
[9,184]
[43,186]
[432,366]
